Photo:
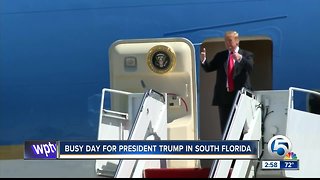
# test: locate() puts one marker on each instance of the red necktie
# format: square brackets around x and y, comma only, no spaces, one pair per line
[230,73]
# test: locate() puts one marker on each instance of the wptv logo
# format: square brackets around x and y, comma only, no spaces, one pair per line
[40,150]
[279,147]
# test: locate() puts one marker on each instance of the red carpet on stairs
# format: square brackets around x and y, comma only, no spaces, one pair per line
[177,173]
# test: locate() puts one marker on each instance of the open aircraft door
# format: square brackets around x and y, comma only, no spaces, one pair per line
[166,65]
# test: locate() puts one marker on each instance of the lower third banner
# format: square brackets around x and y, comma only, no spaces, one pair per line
[134,149]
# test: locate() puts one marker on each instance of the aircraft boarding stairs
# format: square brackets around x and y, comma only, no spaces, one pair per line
[255,115]
[150,123]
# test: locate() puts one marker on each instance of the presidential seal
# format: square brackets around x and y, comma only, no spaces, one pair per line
[161,59]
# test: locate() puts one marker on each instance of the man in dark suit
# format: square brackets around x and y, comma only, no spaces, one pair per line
[233,67]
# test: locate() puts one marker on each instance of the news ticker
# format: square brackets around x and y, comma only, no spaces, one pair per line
[280,164]
[134,149]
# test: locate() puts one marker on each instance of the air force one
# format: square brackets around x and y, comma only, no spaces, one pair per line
[80,69]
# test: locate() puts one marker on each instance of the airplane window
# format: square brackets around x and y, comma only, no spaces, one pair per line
[314,103]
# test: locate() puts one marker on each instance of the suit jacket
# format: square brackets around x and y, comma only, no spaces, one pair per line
[241,75]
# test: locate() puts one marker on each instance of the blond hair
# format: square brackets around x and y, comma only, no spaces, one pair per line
[235,34]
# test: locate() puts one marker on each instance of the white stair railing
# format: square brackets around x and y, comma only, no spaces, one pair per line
[244,118]
[115,124]
[150,124]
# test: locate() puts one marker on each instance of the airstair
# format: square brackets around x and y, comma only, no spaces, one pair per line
[244,124]
[146,119]
[150,124]
[258,115]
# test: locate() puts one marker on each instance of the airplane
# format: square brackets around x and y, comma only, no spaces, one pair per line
[55,60]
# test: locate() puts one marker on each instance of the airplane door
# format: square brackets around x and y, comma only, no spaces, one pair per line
[166,65]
